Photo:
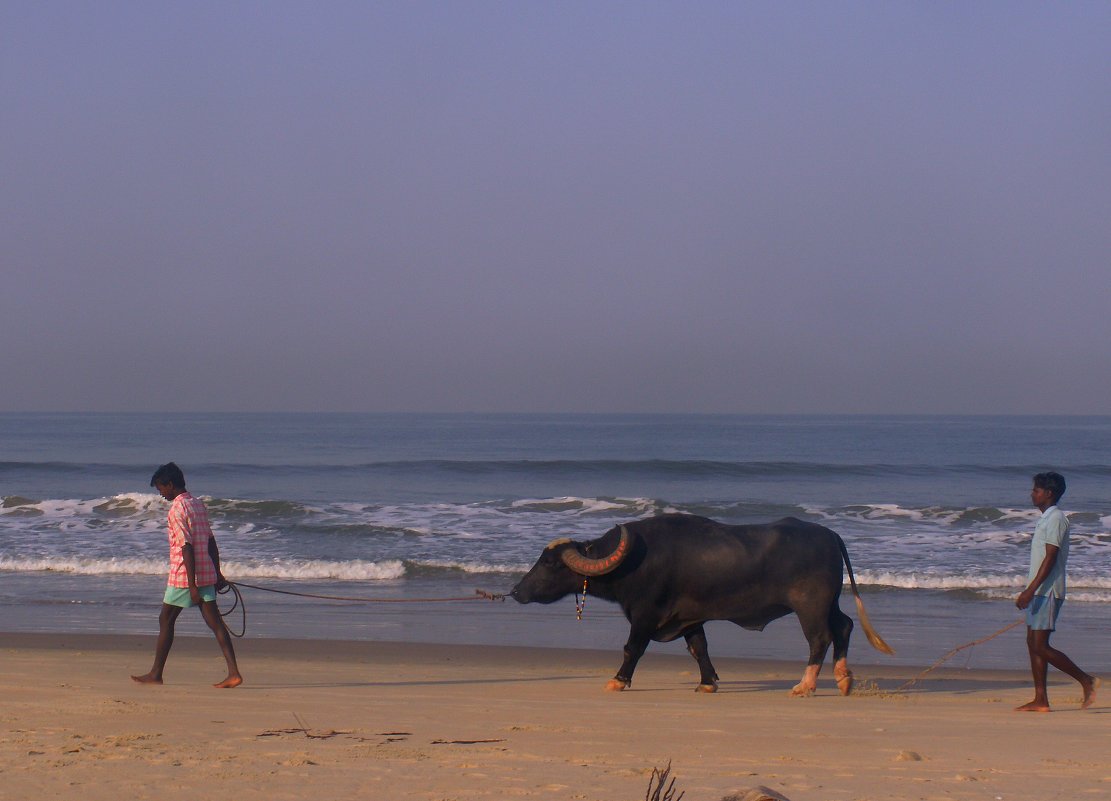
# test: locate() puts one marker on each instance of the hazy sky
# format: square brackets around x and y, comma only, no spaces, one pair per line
[560,206]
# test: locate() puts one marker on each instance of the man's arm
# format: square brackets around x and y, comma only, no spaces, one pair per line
[214,555]
[190,560]
[1026,596]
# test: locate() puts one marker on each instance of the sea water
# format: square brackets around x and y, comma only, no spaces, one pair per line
[935,512]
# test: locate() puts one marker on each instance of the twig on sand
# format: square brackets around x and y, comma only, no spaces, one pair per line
[321,736]
[658,787]
[301,723]
[467,742]
[303,729]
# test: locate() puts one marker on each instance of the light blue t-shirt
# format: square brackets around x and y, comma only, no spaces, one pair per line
[1052,529]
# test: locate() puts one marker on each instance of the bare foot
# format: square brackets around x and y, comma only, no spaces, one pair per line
[229,682]
[147,678]
[707,688]
[1090,693]
[801,690]
[616,685]
[1033,706]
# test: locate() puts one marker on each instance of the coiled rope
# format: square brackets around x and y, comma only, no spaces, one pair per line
[233,587]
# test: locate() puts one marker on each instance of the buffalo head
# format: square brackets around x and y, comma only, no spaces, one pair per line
[563,565]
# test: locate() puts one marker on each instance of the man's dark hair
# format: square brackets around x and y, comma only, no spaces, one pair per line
[169,473]
[1054,482]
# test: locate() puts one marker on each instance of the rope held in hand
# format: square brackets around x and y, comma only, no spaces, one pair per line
[233,587]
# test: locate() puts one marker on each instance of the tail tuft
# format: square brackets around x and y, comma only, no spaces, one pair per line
[874,638]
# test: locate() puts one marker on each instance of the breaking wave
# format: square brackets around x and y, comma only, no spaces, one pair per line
[317,569]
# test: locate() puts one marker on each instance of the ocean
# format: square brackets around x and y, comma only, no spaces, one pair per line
[935,512]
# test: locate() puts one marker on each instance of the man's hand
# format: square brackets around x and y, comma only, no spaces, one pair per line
[221,582]
[1026,596]
[195,596]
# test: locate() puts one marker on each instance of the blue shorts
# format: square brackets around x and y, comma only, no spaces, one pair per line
[1041,614]
[179,596]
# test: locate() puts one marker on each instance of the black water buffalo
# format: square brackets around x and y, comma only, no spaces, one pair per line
[672,573]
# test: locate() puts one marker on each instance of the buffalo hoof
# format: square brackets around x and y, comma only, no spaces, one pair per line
[616,685]
[801,691]
[706,688]
[845,683]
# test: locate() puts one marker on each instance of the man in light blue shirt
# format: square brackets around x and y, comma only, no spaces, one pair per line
[1045,593]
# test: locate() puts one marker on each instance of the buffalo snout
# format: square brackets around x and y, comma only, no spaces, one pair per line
[536,589]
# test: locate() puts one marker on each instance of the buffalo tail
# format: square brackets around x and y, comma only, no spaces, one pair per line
[873,636]
[874,639]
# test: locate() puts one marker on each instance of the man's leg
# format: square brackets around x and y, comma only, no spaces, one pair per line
[211,614]
[1061,661]
[1039,670]
[166,620]
[1043,654]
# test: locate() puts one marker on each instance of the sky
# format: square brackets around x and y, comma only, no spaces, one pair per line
[705,207]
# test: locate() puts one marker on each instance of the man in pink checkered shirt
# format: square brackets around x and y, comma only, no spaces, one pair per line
[194,574]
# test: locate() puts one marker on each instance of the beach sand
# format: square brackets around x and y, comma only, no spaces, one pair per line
[373,720]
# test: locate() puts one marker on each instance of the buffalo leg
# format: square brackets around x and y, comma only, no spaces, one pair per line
[696,644]
[841,626]
[816,630]
[634,650]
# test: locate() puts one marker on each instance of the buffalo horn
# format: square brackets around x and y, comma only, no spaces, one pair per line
[585,566]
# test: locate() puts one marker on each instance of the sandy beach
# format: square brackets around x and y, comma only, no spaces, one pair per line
[343,720]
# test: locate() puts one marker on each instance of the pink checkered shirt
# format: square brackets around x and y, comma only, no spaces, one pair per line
[188,522]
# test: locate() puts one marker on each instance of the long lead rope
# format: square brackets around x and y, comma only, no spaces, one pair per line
[233,587]
[483,595]
[950,654]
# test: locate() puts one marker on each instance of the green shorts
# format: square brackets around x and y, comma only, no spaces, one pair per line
[179,596]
